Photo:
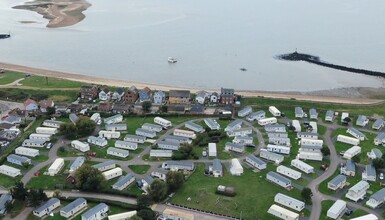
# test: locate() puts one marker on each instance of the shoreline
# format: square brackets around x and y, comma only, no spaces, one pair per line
[300,96]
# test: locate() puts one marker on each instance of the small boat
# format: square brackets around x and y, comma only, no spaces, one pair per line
[3,36]
[172,60]
[243,69]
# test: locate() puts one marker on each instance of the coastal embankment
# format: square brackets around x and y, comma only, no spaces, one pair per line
[301,96]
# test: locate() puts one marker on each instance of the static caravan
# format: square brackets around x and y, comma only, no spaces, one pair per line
[96,118]
[18,160]
[378,124]
[113,173]
[255,116]
[4,200]
[152,127]
[306,155]
[98,141]
[194,127]
[56,166]
[52,123]
[78,162]
[117,152]
[177,139]
[337,209]
[306,168]
[362,121]
[178,165]
[351,152]
[240,132]
[212,124]
[275,134]
[212,150]
[113,119]
[299,112]
[163,122]
[348,140]
[81,146]
[313,114]
[289,202]
[237,148]
[135,138]
[123,182]
[236,168]
[311,142]
[255,162]
[358,191]
[278,179]
[329,116]
[97,212]
[126,145]
[234,125]
[275,128]
[306,148]
[356,133]
[280,141]
[314,127]
[109,134]
[122,216]
[168,145]
[27,151]
[374,154]
[35,136]
[349,169]
[73,208]
[337,182]
[274,111]
[296,125]
[216,168]
[160,153]
[9,171]
[307,135]
[278,149]
[145,133]
[45,130]
[369,173]
[376,199]
[184,133]
[267,121]
[33,143]
[286,171]
[159,173]
[243,140]
[107,165]
[245,111]
[366,217]
[116,127]
[282,213]
[276,158]
[47,207]
[344,115]
[380,139]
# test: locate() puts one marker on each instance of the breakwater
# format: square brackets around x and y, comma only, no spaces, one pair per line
[316,60]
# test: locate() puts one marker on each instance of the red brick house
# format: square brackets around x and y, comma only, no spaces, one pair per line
[89,92]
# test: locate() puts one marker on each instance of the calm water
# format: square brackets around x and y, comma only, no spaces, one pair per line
[212,39]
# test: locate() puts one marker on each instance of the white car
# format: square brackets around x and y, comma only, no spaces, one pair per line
[49,145]
[381,176]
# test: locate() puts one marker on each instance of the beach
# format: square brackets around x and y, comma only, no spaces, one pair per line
[331,96]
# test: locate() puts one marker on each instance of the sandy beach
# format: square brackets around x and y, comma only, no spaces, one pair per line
[322,96]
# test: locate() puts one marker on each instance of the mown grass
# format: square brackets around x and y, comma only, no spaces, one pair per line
[139,169]
[49,82]
[9,77]
[49,182]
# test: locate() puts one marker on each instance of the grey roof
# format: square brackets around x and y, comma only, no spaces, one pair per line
[234,145]
[4,199]
[113,117]
[267,127]
[148,179]
[245,109]
[123,180]
[47,204]
[160,170]
[73,205]
[255,114]
[134,137]
[380,136]
[145,131]
[18,158]
[356,131]
[370,170]
[176,144]
[256,160]
[361,118]
[106,163]
[217,164]
[279,177]
[227,92]
[180,93]
[337,180]
[77,162]
[94,210]
[74,118]
[97,139]
[377,152]
[179,163]
[126,143]
[329,113]
[35,141]
[160,93]
[378,123]
[178,138]
[120,91]
[234,123]
[311,147]
[379,195]
[308,133]
[350,166]
[12,119]
[196,126]
[298,110]
[313,112]
[54,122]
[116,125]
[212,122]
[117,150]
[243,138]
[151,125]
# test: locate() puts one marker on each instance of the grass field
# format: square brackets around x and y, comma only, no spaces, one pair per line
[9,77]
[139,169]
[49,82]
[328,203]
[16,94]
[49,182]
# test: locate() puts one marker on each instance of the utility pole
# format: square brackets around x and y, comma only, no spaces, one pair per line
[46,80]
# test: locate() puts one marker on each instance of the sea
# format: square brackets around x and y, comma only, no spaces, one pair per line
[211,39]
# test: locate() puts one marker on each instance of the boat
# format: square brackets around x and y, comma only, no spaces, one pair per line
[172,60]
[243,69]
[3,36]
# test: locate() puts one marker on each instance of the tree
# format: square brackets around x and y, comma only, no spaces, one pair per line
[18,191]
[158,190]
[356,159]
[306,195]
[35,197]
[135,217]
[8,206]
[51,110]
[174,180]
[69,130]
[164,108]
[325,151]
[144,201]
[85,126]
[146,106]
[378,163]
[146,214]
[89,179]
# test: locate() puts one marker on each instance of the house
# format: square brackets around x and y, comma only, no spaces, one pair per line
[245,111]
[184,133]
[97,212]
[113,173]
[52,123]
[378,124]
[179,97]
[46,103]
[380,139]
[351,152]
[307,135]
[236,168]
[227,96]
[234,125]
[44,130]
[73,208]
[299,112]
[168,145]
[118,94]
[280,141]
[88,92]
[30,105]
[201,97]
[255,162]
[369,173]
[343,116]
[61,108]
[329,116]
[146,183]
[117,152]
[9,171]
[174,214]
[214,98]
[104,106]
[306,155]
[216,168]
[12,119]
[274,111]
[194,127]
[126,145]
[276,158]
[304,167]
[289,202]
[275,128]
[237,148]
[107,165]
[135,138]
[243,140]
[178,165]
[374,153]
[267,121]
[212,151]
[362,121]
[278,149]
[123,182]
[98,141]
[131,96]
[348,140]
[152,127]
[349,169]
[286,171]
[18,160]
[160,153]
[73,118]
[4,199]
[56,166]
[282,213]
[159,97]
[122,216]
[113,119]
[277,134]
[296,125]
[212,124]
[159,173]
[278,179]
[33,143]
[77,163]
[27,151]
[356,133]
[81,146]
[145,133]
[109,134]
[255,116]
[313,114]
[104,94]
[47,207]
[358,191]
[376,199]
[336,210]
[338,182]
[163,122]
[120,108]
[145,95]
[240,132]
[181,109]
[116,127]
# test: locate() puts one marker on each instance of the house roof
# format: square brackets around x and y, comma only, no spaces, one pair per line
[160,93]
[217,164]
[380,136]
[104,106]
[192,124]
[359,186]
[377,152]
[123,180]
[120,91]
[46,103]
[29,101]
[106,163]
[361,119]
[4,199]
[378,123]
[18,158]
[96,139]
[12,119]
[279,177]
[313,112]
[255,160]
[113,117]
[73,205]
[148,179]
[234,145]
[6,125]
[74,118]
[337,180]
[329,113]
[121,107]
[176,108]
[255,114]
[175,144]
[370,170]
[246,109]
[180,93]
[234,123]
[298,110]
[350,166]
[47,204]
[117,150]
[77,162]
[197,109]
[17,112]
[94,210]
[379,195]
[227,92]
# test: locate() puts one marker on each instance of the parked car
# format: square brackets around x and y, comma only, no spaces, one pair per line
[324,167]
[381,176]
[204,153]
[342,153]
[348,212]
[49,145]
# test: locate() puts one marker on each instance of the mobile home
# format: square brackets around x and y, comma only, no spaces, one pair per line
[277,134]
[234,125]
[307,135]
[107,165]
[377,199]
[113,173]
[278,179]
[123,182]
[255,116]
[369,173]
[52,123]
[184,133]
[267,121]
[280,141]
[163,122]
[47,207]
[306,155]
[358,191]
[135,138]
[212,151]
[81,146]
[255,162]
[302,166]
[113,119]
[9,171]
[168,145]
[152,127]
[240,132]
[351,152]
[145,133]
[237,148]
[236,168]
[98,141]
[282,213]
[126,145]
[274,111]
[116,127]
[194,127]
[18,160]
[177,139]
[356,133]
[27,151]
[337,209]
[311,142]
[56,166]
[33,143]
[329,116]
[212,124]
[45,130]
[296,125]
[73,208]
[275,128]
[97,212]
[77,163]
[289,202]
[278,149]
[160,153]
[243,140]
[276,158]
[337,182]
[36,136]
[117,152]
[286,171]
[380,139]
[299,112]
[109,134]
[178,165]
[348,140]
[245,111]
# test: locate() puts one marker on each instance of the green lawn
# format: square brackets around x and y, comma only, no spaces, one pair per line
[49,82]
[49,182]
[139,169]
[17,94]
[9,77]
[102,153]
[18,206]
[7,181]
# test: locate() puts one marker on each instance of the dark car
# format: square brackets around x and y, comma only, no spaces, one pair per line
[348,212]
